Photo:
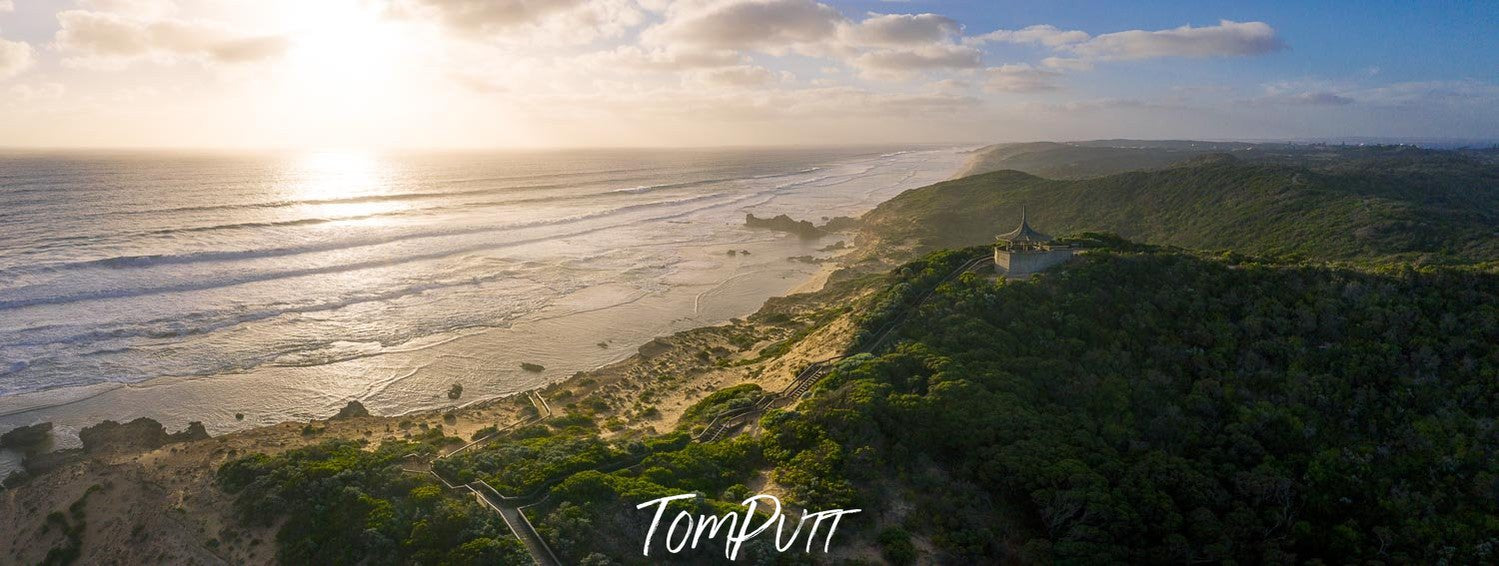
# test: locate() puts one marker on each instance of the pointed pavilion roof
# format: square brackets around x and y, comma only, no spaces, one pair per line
[1025,233]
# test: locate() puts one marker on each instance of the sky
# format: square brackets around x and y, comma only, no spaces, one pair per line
[594,73]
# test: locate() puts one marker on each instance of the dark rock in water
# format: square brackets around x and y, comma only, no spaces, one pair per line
[351,410]
[531,367]
[27,437]
[783,223]
[140,433]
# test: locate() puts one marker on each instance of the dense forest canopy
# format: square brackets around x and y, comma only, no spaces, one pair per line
[1167,407]
[1098,158]
[1137,405]
[1414,205]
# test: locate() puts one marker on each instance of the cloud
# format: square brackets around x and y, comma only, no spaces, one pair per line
[1050,36]
[950,86]
[740,76]
[900,30]
[772,26]
[1431,93]
[111,40]
[1019,78]
[478,84]
[1227,39]
[34,92]
[663,59]
[528,21]
[881,46]
[902,63]
[1320,99]
[7,6]
[1307,98]
[1102,104]
[136,8]
[754,105]
[15,57]
[1066,64]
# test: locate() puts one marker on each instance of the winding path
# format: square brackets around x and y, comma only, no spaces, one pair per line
[511,509]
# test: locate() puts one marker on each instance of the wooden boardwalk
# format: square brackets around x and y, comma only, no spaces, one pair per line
[511,509]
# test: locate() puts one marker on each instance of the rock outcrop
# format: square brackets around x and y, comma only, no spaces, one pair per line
[351,410]
[803,228]
[27,438]
[141,433]
[783,223]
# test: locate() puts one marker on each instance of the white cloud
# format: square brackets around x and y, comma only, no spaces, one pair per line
[1227,39]
[528,21]
[477,83]
[900,30]
[34,92]
[901,63]
[135,8]
[15,57]
[663,59]
[7,6]
[772,26]
[1431,93]
[104,39]
[1308,98]
[1066,64]
[1019,78]
[740,76]
[1050,36]
[1318,99]
[950,86]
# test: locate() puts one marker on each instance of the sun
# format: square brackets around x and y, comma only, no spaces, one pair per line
[344,50]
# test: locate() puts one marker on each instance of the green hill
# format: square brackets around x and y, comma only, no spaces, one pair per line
[1098,158]
[1163,407]
[1078,161]
[1419,206]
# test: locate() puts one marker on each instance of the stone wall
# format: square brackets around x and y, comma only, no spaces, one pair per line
[1022,263]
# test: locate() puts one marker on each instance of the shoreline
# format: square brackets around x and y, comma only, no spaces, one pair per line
[112,393]
[169,491]
[163,500]
[730,289]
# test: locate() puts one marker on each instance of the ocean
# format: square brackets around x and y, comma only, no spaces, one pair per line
[193,286]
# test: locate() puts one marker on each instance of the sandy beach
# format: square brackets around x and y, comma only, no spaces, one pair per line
[724,272]
[160,504]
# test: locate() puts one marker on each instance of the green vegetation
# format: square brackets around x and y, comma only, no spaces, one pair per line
[1099,158]
[536,455]
[346,505]
[727,399]
[72,531]
[532,367]
[1084,160]
[1138,405]
[1414,204]
[1164,407]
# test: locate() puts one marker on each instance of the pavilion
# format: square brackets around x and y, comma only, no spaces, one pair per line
[1025,250]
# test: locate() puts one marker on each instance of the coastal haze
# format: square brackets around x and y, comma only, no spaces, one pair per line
[196,286]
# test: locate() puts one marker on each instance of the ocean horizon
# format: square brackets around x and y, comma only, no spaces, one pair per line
[243,289]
